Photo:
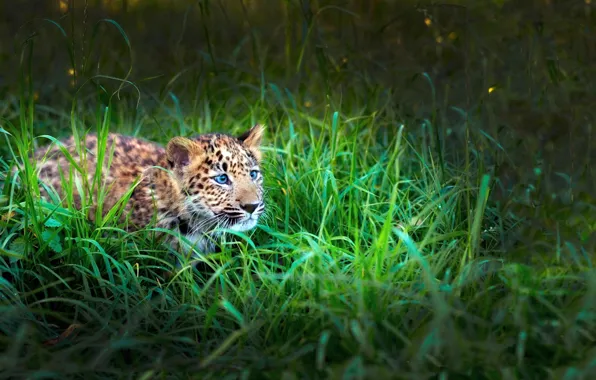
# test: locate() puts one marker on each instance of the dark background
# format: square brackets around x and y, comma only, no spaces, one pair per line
[539,55]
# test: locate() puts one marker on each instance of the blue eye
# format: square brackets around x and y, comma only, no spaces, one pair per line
[222,179]
[254,174]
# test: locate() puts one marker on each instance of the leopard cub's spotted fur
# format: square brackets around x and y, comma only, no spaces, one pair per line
[193,185]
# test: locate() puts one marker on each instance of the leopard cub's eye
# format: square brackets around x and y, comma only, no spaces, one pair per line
[254,174]
[222,179]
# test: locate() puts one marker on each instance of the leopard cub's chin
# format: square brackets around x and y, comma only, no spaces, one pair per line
[245,225]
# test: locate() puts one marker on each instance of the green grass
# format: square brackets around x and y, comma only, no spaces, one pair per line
[388,249]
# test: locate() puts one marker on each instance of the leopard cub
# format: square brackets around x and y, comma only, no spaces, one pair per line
[192,185]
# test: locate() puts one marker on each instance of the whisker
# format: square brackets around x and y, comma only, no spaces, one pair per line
[197,227]
[205,223]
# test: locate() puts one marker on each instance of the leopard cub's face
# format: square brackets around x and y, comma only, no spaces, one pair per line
[221,179]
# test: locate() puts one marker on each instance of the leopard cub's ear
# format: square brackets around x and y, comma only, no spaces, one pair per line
[181,150]
[252,139]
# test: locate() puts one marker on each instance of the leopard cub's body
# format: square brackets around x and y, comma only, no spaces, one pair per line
[193,185]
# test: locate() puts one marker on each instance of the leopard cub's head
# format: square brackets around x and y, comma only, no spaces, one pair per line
[220,178]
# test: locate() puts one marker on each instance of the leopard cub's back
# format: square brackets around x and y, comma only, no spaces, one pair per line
[130,157]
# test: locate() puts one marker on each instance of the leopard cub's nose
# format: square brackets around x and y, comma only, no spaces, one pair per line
[249,207]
